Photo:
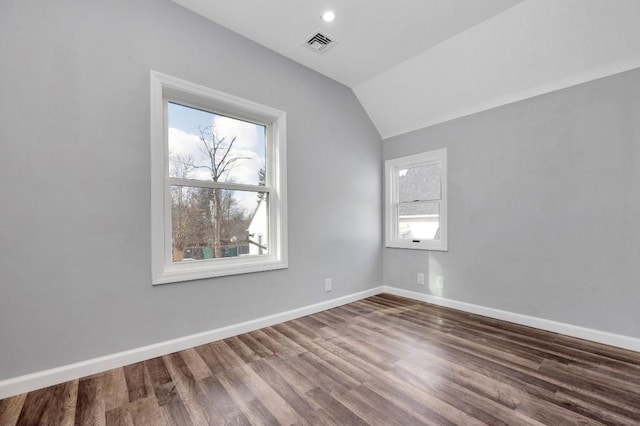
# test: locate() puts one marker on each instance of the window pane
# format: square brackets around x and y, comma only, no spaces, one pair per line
[419,220]
[419,183]
[213,223]
[212,147]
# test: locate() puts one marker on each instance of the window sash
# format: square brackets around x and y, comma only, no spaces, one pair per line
[218,185]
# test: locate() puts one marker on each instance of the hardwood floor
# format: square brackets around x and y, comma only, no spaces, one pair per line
[384,360]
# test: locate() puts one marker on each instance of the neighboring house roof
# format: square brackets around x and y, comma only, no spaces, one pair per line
[419,188]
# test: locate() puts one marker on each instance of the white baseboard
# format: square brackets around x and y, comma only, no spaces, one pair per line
[29,382]
[618,340]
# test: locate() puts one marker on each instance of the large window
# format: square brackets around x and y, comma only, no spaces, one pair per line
[218,183]
[416,201]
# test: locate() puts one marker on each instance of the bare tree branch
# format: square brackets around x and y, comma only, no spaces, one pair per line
[221,161]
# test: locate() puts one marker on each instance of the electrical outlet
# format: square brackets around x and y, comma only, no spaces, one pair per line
[420,278]
[440,281]
[327,284]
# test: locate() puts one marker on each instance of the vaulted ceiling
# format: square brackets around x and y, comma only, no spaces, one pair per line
[414,63]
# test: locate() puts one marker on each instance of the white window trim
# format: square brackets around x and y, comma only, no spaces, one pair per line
[165,271]
[391,200]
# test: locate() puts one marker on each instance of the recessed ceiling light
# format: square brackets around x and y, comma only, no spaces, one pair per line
[328,16]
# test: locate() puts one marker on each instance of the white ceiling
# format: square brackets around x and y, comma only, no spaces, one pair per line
[372,35]
[415,63]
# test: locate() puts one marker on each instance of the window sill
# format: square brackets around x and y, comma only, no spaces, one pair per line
[430,245]
[201,269]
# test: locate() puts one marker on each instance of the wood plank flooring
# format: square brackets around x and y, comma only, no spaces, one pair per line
[384,360]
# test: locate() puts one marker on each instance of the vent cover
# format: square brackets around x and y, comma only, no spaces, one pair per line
[319,43]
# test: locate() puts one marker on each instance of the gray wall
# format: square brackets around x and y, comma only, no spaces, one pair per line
[544,203]
[74,225]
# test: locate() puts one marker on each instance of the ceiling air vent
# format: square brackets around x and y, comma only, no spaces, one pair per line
[319,43]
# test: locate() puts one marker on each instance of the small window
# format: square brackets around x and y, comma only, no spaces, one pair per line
[416,201]
[218,183]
